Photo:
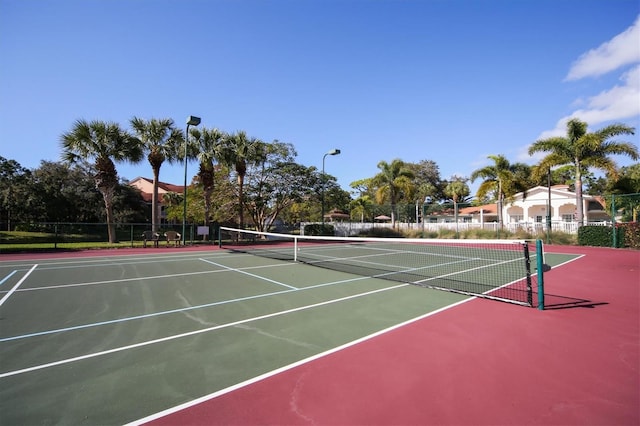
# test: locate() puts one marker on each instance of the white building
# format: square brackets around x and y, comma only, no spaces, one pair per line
[531,207]
[529,211]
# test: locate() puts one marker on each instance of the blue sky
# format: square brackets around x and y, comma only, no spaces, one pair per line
[448,81]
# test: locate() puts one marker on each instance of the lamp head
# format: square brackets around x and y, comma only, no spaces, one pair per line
[193,121]
[333,152]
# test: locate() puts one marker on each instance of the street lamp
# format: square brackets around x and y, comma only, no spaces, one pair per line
[332,152]
[191,121]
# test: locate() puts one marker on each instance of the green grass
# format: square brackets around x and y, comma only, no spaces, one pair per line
[22,241]
[48,246]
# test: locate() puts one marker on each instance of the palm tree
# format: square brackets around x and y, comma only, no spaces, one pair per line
[584,150]
[207,146]
[457,190]
[361,205]
[394,180]
[237,151]
[105,142]
[502,179]
[161,140]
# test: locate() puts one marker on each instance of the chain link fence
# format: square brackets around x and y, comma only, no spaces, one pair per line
[46,235]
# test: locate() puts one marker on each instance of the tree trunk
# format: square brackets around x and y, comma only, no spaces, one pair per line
[207,177]
[154,200]
[107,195]
[106,179]
[240,200]
[500,200]
[392,197]
[579,205]
[455,214]
[207,208]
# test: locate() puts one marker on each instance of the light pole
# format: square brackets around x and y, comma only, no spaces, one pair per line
[332,152]
[549,205]
[191,121]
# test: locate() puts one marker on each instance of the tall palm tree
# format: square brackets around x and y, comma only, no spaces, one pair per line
[207,151]
[502,179]
[457,190]
[237,151]
[161,141]
[584,150]
[394,180]
[106,143]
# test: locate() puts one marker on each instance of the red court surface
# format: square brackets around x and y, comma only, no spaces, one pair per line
[480,363]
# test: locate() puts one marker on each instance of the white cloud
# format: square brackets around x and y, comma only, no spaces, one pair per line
[621,50]
[618,103]
[522,155]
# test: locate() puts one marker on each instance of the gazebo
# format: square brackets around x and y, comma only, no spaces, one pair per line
[339,215]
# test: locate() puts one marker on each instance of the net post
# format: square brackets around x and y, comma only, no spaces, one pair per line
[295,249]
[219,236]
[527,265]
[540,266]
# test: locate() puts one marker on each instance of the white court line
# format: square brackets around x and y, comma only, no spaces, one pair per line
[286,367]
[191,333]
[123,280]
[15,287]
[87,261]
[175,311]
[153,277]
[7,277]
[250,274]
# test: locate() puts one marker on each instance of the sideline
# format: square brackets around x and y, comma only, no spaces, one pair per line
[277,371]
[15,287]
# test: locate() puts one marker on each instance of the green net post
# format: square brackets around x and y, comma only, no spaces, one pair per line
[540,267]
[527,264]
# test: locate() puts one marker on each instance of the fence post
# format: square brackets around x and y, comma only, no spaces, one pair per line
[613,221]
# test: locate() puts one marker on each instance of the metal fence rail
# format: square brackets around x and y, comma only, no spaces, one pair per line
[61,235]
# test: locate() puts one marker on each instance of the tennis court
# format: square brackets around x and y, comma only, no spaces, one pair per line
[113,339]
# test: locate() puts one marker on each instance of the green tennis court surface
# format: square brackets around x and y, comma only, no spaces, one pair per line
[113,339]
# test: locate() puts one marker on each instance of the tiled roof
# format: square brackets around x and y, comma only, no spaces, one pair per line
[486,209]
[162,187]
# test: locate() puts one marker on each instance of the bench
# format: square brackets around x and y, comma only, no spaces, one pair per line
[150,236]
[173,237]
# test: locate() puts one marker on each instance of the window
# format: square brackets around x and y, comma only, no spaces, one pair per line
[567,218]
[539,219]
[516,218]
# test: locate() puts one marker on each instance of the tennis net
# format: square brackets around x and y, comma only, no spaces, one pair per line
[492,269]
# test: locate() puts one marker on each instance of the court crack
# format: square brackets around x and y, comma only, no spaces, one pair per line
[274,336]
[295,397]
[191,316]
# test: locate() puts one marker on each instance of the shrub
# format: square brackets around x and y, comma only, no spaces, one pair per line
[319,229]
[628,234]
[381,233]
[598,236]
